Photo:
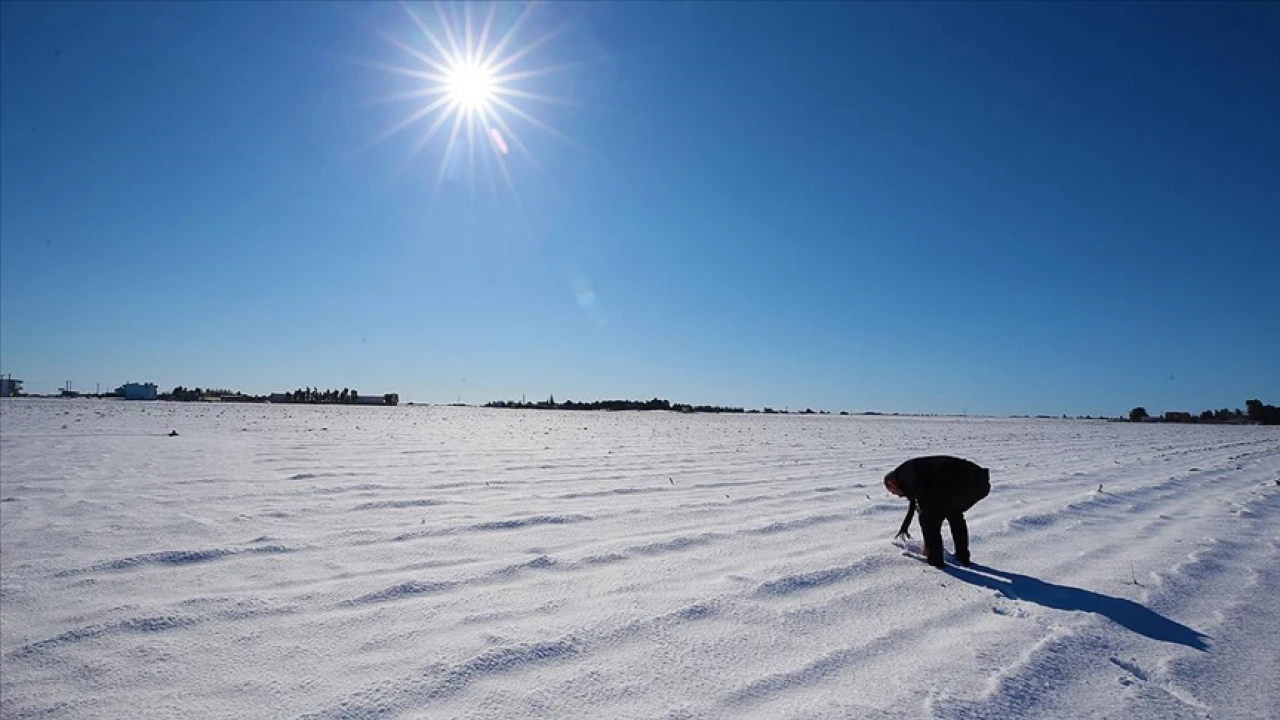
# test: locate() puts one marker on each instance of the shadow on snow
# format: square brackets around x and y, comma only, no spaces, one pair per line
[1125,613]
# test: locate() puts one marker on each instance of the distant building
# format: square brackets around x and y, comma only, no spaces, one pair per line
[1177,416]
[138,391]
[10,387]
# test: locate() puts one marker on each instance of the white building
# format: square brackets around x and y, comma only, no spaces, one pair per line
[138,391]
[10,387]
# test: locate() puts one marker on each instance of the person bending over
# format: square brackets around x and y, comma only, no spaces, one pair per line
[942,487]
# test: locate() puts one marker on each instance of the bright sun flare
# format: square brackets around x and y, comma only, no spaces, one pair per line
[465,75]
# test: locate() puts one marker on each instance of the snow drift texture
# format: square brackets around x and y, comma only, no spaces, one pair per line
[333,562]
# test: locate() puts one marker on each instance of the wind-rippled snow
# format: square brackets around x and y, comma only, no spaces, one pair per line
[355,562]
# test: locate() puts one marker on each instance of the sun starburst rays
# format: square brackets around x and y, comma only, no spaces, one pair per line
[465,72]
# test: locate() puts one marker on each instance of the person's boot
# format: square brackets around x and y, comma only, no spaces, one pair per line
[933,555]
[963,558]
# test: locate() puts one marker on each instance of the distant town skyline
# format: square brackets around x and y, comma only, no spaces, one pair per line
[1004,209]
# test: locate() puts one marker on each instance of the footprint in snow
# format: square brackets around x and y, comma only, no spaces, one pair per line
[1014,612]
[1130,668]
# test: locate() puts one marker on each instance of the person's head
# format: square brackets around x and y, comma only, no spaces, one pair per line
[891,484]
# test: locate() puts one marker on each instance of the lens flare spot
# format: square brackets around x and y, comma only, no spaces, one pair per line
[582,292]
[498,142]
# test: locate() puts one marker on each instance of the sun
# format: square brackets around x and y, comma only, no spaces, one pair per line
[470,85]
[466,79]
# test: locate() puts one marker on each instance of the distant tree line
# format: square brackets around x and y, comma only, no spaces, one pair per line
[1255,412]
[309,395]
[345,396]
[661,404]
[685,408]
[184,394]
[654,404]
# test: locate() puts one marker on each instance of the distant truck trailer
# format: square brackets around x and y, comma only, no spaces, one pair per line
[387,399]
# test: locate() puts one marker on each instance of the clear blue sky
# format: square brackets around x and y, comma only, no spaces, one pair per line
[1002,207]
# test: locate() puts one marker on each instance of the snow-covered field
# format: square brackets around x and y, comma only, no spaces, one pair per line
[332,562]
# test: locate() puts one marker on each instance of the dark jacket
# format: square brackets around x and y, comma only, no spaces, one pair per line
[940,485]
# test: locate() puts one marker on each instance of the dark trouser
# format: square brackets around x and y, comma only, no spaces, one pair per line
[931,529]
[958,495]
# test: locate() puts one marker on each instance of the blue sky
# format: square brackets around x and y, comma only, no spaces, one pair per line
[1004,207]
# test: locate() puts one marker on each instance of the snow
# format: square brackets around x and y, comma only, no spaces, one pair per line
[352,562]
